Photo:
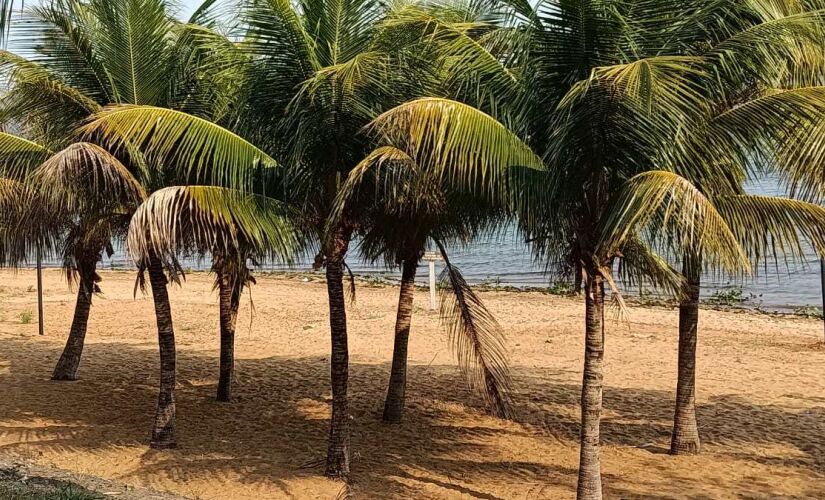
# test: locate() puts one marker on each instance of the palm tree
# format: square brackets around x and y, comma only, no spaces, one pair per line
[79,58]
[617,112]
[403,205]
[234,228]
[316,73]
[757,52]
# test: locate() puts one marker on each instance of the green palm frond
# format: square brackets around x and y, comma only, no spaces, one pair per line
[772,227]
[667,206]
[639,265]
[780,131]
[459,144]
[200,149]
[132,46]
[666,84]
[19,156]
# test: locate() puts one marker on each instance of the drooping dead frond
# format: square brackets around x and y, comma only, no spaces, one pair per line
[477,340]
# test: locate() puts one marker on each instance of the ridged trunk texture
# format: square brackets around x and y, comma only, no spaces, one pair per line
[338,450]
[69,362]
[685,438]
[394,404]
[229,302]
[590,481]
[163,429]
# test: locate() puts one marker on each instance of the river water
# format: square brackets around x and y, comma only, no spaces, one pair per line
[505,260]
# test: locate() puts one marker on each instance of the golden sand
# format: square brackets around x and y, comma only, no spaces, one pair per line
[761,398]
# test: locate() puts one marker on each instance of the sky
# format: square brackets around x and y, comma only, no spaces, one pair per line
[187,7]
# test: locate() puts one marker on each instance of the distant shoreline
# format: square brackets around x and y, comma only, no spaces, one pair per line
[379,280]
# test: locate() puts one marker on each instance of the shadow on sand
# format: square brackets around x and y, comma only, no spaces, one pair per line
[277,425]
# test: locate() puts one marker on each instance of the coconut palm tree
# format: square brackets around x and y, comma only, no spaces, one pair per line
[604,116]
[77,58]
[233,227]
[753,51]
[403,206]
[317,73]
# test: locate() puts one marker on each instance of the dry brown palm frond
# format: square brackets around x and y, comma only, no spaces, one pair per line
[85,178]
[197,220]
[477,339]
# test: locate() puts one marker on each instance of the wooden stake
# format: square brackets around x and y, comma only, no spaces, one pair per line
[39,292]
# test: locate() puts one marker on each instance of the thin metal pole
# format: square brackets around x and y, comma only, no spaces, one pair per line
[432,286]
[39,292]
[822,283]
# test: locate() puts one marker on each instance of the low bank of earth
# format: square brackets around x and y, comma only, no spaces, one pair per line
[761,398]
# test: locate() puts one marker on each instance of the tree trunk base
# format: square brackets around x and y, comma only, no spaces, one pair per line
[64,377]
[392,415]
[337,468]
[223,398]
[685,448]
[163,444]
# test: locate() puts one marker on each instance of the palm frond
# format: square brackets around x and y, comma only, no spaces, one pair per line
[85,179]
[774,228]
[200,149]
[639,265]
[477,340]
[19,156]
[200,220]
[462,146]
[668,208]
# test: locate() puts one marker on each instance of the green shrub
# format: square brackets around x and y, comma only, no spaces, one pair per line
[26,317]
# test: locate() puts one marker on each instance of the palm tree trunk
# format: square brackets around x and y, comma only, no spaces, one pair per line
[338,450]
[163,430]
[685,438]
[590,482]
[394,405]
[69,361]
[229,314]
[577,278]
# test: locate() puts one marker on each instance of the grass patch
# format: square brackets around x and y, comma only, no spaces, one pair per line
[15,487]
[26,317]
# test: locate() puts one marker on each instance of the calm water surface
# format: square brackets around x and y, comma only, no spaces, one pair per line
[506,260]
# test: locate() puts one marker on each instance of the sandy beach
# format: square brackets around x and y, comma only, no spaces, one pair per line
[761,398]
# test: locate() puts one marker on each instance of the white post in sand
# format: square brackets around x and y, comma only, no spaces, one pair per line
[431,258]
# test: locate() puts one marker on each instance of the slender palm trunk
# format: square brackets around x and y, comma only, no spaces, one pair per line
[69,361]
[229,302]
[163,430]
[338,450]
[590,482]
[577,278]
[394,404]
[685,438]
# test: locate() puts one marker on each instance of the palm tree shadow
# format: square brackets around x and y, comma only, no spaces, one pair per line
[269,437]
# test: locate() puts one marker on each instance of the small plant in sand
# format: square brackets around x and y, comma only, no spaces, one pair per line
[728,297]
[808,311]
[26,317]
